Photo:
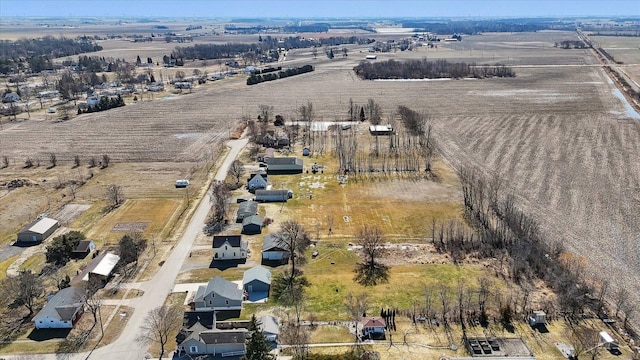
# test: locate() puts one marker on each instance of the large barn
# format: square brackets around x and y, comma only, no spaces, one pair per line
[37,231]
[284,165]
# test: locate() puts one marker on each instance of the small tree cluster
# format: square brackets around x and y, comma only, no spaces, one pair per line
[58,252]
[425,69]
[256,79]
[105,103]
[371,271]
[131,247]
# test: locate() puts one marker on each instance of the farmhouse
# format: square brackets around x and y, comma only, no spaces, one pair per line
[373,327]
[61,311]
[380,129]
[257,182]
[218,343]
[218,294]
[256,283]
[99,269]
[273,195]
[284,165]
[272,250]
[37,231]
[229,247]
[83,249]
[252,225]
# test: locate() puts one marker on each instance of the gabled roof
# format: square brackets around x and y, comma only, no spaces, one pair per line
[206,319]
[258,178]
[106,265]
[259,273]
[253,220]
[272,242]
[284,161]
[234,240]
[40,226]
[224,336]
[221,287]
[62,306]
[373,322]
[83,246]
[269,324]
[248,208]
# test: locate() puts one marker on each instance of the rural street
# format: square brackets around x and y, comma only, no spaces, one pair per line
[161,285]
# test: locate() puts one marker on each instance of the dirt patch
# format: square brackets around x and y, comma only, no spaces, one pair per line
[130,227]
[70,212]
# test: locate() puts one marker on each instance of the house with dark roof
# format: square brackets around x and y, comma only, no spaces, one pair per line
[218,343]
[373,327]
[273,195]
[229,247]
[256,283]
[37,231]
[84,248]
[62,311]
[218,294]
[284,165]
[257,182]
[252,225]
[273,250]
[246,209]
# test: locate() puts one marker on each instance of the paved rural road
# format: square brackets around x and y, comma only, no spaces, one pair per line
[156,289]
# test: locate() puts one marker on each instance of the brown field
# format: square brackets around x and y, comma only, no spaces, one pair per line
[556,133]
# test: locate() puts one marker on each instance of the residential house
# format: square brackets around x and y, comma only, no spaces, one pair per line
[10,97]
[284,165]
[257,182]
[246,209]
[214,342]
[373,327]
[99,271]
[229,247]
[252,225]
[37,231]
[256,283]
[268,153]
[270,326]
[380,129]
[84,248]
[62,311]
[272,249]
[219,294]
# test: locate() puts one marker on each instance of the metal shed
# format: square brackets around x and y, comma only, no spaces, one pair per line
[38,230]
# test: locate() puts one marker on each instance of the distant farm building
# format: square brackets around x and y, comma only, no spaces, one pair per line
[284,165]
[380,129]
[37,231]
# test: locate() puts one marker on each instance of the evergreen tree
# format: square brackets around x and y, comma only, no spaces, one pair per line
[362,117]
[257,347]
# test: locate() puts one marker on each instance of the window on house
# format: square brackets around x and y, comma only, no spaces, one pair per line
[209,302]
[234,253]
[193,349]
[227,302]
[225,247]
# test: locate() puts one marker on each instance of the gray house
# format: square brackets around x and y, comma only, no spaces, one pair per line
[62,311]
[218,343]
[252,225]
[256,283]
[273,251]
[218,294]
[229,247]
[257,182]
[246,209]
[284,165]
[37,231]
[270,326]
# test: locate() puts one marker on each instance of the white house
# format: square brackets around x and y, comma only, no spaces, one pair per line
[373,327]
[229,247]
[62,311]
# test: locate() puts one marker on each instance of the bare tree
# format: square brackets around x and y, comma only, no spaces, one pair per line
[28,163]
[371,272]
[620,299]
[237,170]
[114,195]
[295,239]
[330,220]
[296,336]
[106,160]
[92,162]
[24,289]
[314,52]
[53,160]
[356,306]
[265,113]
[220,205]
[5,161]
[374,112]
[76,161]
[159,326]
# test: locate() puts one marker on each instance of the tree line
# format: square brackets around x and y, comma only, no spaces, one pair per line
[480,26]
[256,78]
[16,55]
[425,69]
[106,103]
[570,44]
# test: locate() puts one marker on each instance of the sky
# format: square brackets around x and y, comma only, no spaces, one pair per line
[319,8]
